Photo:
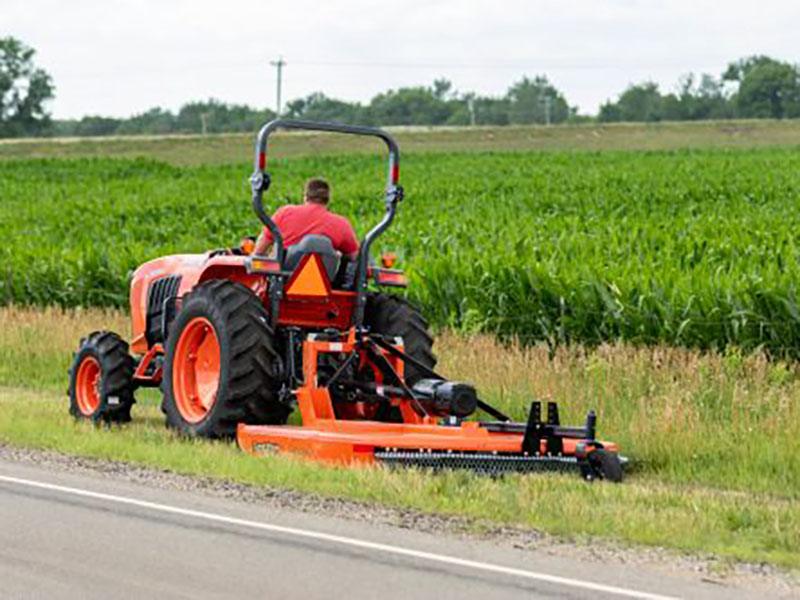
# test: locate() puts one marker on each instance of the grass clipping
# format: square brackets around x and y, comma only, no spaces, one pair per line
[713,439]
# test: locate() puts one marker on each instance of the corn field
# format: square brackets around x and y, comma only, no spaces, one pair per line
[691,248]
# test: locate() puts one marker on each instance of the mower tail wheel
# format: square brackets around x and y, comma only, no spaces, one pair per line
[221,366]
[606,465]
[101,379]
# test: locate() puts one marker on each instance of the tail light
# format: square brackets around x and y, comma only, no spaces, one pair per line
[388,259]
[390,277]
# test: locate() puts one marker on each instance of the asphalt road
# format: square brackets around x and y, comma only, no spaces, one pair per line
[69,535]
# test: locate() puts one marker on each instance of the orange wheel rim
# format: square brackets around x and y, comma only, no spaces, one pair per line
[87,386]
[195,370]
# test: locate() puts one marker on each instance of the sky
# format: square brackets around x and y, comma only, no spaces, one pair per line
[118,57]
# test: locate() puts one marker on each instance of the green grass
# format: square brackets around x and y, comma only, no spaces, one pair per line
[694,248]
[713,439]
[752,527]
[734,525]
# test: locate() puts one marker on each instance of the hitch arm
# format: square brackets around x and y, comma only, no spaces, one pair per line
[484,406]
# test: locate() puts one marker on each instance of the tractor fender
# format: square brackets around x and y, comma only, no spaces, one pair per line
[187,271]
[231,268]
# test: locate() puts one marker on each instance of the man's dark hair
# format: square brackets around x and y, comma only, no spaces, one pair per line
[317,190]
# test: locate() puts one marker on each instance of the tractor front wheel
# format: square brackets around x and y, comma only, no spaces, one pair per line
[221,366]
[101,379]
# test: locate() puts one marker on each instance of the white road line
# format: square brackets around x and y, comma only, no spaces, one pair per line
[338,539]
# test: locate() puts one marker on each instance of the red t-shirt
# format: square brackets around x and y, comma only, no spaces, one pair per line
[296,221]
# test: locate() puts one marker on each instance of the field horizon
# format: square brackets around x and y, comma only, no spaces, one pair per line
[225,148]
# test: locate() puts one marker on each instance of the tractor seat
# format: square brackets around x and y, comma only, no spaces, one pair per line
[314,244]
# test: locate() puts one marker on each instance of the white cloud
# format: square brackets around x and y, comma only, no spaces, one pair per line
[120,57]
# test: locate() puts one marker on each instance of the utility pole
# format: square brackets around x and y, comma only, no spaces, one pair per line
[547,100]
[278,64]
[471,109]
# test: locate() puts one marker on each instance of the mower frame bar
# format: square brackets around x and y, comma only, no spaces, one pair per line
[272,126]
[484,406]
[260,182]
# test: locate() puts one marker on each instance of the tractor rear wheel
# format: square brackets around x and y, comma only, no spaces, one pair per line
[393,316]
[221,366]
[101,379]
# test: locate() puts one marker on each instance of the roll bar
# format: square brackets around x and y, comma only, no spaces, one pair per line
[260,182]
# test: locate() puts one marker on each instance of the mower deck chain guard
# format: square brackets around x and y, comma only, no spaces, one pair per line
[486,463]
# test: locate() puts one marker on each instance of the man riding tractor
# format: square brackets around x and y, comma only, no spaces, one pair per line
[311,218]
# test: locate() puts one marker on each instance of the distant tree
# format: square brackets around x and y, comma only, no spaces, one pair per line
[708,97]
[694,100]
[89,126]
[319,107]
[488,111]
[24,90]
[767,88]
[460,113]
[640,102]
[63,127]
[528,100]
[219,117]
[442,89]
[492,111]
[763,87]
[154,121]
[414,105]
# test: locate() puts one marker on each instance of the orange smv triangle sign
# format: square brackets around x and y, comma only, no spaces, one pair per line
[309,281]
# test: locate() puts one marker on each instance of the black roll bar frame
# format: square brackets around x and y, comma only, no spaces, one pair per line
[260,182]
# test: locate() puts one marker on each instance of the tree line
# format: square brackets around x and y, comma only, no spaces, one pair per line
[753,87]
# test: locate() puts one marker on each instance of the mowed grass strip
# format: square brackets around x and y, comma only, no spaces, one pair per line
[713,439]
[238,147]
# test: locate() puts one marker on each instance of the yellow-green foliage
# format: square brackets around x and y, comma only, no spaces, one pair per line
[694,248]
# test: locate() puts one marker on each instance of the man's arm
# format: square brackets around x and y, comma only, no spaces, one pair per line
[263,243]
[348,245]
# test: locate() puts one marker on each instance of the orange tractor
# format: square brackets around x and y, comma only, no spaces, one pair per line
[237,342]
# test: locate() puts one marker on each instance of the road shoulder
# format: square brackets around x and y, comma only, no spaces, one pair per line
[439,533]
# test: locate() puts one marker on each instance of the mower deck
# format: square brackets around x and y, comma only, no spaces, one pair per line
[484,447]
[421,439]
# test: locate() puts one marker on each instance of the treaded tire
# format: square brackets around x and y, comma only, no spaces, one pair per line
[390,315]
[606,465]
[114,388]
[249,364]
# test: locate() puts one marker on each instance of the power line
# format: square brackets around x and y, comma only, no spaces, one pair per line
[531,64]
[525,64]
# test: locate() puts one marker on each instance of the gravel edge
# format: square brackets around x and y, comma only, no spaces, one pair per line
[706,567]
